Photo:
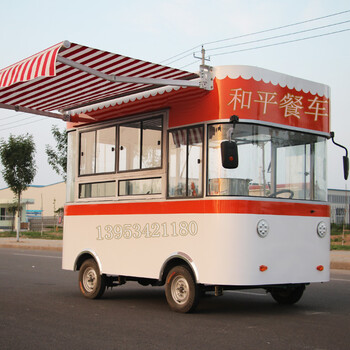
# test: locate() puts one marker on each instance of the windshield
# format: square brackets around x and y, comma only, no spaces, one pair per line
[272,163]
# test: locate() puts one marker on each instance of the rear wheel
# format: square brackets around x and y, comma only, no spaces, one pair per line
[181,290]
[92,284]
[288,295]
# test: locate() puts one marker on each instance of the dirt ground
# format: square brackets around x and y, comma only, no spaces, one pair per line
[337,239]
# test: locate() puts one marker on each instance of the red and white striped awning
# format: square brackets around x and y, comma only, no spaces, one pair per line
[68,76]
[190,136]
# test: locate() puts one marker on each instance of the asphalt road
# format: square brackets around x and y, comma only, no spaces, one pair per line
[41,308]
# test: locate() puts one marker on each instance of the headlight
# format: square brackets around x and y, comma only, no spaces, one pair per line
[321,229]
[262,228]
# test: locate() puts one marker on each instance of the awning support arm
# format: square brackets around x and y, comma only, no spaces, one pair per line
[134,80]
[34,111]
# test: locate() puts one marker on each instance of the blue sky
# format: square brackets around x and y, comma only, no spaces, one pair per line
[156,30]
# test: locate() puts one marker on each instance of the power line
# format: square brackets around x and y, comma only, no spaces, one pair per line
[12,127]
[279,36]
[181,58]
[281,43]
[18,121]
[270,45]
[277,28]
[12,116]
[180,54]
[185,53]
[188,64]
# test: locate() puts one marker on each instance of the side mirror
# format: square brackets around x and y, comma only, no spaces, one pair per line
[345,158]
[346,167]
[229,154]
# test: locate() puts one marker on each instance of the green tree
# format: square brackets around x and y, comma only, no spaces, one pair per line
[57,157]
[17,158]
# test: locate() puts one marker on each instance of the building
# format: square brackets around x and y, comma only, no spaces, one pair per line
[35,201]
[339,201]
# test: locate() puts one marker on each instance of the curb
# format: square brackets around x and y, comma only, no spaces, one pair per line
[23,245]
[340,265]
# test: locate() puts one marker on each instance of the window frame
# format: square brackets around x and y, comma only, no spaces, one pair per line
[98,183]
[163,115]
[187,161]
[95,130]
[138,194]
[273,163]
[141,121]
[3,214]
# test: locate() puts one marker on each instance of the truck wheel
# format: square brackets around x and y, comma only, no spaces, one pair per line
[181,290]
[92,284]
[288,295]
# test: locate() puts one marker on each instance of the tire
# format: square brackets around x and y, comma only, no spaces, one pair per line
[91,283]
[288,295]
[181,290]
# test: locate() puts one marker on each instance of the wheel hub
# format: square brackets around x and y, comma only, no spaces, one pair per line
[180,290]
[89,279]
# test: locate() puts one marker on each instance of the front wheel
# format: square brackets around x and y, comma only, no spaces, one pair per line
[92,284]
[181,290]
[288,295]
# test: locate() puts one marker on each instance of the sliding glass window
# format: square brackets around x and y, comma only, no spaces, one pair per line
[140,145]
[97,151]
[185,169]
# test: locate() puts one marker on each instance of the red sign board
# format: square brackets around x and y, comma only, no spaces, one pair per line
[273,103]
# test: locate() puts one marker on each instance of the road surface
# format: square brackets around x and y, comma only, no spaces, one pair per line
[41,308]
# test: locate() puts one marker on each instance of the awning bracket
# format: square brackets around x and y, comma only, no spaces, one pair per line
[205,81]
[17,108]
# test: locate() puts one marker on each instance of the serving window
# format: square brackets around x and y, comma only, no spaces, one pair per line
[97,151]
[134,170]
[140,144]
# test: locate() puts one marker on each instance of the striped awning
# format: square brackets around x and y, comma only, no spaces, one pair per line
[189,136]
[68,76]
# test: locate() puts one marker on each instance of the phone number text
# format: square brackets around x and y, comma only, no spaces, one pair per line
[149,230]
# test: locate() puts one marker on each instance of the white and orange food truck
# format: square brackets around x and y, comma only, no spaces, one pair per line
[199,182]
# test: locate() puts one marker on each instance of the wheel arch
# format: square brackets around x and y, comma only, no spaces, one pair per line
[175,259]
[85,255]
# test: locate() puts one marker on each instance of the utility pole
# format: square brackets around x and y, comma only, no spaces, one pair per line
[54,213]
[42,218]
[346,217]
[202,57]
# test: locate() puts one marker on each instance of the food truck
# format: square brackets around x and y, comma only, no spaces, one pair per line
[198,182]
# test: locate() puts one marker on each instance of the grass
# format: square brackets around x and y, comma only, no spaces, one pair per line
[337,237]
[52,234]
[339,247]
[338,229]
